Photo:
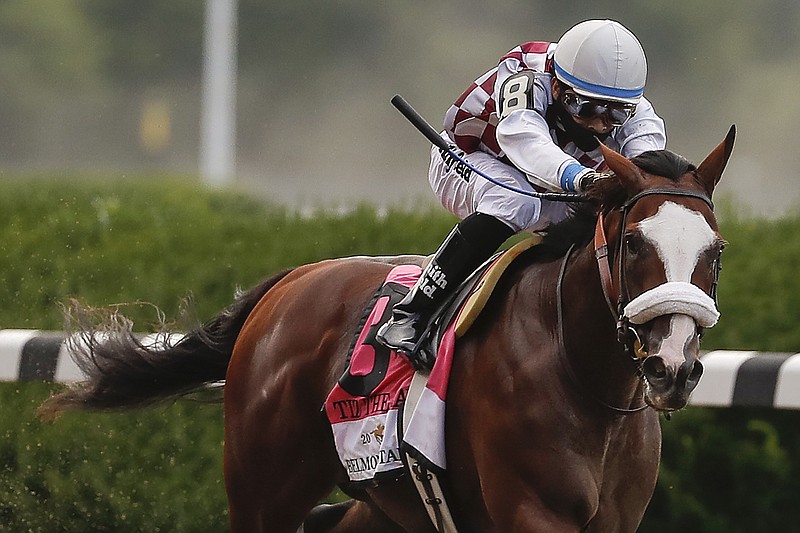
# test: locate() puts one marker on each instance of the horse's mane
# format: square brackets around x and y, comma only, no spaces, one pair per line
[606,195]
[663,163]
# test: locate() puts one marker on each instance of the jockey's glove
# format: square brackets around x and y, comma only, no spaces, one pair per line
[586,181]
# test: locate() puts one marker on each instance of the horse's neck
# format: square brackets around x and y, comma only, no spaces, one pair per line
[590,343]
[584,304]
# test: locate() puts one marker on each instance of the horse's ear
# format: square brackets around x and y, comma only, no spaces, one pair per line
[628,174]
[710,170]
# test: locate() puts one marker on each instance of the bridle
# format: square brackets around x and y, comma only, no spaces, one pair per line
[626,334]
[618,297]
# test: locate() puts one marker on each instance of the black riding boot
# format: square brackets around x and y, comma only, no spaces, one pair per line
[471,242]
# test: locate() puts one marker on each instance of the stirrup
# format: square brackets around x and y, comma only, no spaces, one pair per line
[415,350]
[420,356]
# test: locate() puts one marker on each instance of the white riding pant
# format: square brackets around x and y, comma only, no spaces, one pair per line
[463,198]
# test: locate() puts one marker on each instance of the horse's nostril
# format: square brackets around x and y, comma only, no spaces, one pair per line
[654,368]
[695,373]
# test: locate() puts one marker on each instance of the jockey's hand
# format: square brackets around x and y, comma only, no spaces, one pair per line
[586,181]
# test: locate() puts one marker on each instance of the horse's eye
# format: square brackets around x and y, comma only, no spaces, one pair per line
[633,244]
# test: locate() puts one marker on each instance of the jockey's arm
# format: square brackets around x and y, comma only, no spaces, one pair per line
[524,137]
[522,99]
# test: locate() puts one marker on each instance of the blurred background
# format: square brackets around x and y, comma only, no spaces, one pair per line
[115,87]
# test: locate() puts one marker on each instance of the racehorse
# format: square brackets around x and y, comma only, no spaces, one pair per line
[552,418]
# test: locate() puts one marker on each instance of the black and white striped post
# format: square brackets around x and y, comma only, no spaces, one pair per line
[749,379]
[34,355]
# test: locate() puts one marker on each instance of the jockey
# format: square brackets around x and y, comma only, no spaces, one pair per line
[533,122]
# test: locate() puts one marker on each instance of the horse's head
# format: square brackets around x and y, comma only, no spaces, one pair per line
[666,248]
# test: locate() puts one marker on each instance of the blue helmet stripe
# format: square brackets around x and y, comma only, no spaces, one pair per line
[597,89]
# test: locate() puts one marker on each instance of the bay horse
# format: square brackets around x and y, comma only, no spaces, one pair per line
[552,417]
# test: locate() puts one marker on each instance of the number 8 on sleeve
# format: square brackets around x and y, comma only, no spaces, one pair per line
[516,93]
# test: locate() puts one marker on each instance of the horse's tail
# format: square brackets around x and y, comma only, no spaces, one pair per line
[123,372]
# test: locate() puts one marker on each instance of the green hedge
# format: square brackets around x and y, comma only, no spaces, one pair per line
[157,240]
[154,240]
[152,470]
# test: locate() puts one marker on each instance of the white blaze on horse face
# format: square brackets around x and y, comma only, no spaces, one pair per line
[679,235]
[682,329]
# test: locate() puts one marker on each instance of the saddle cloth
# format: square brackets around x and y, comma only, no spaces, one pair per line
[365,406]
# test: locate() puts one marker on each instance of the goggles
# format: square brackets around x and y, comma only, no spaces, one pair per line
[616,114]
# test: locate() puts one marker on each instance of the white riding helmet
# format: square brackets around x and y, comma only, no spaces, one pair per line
[602,59]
